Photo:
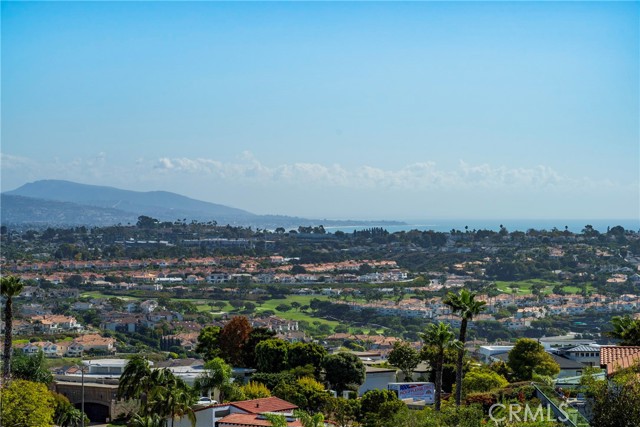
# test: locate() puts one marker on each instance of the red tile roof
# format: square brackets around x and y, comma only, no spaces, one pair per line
[251,420]
[614,358]
[267,404]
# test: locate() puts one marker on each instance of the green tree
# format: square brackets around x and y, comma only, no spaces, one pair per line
[272,355]
[344,371]
[528,357]
[615,402]
[283,307]
[307,393]
[298,269]
[256,336]
[152,420]
[440,337]
[177,400]
[255,390]
[465,305]
[276,420]
[482,380]
[10,286]
[377,407]
[72,418]
[463,416]
[404,357]
[31,368]
[147,222]
[26,404]
[169,397]
[344,412]
[626,329]
[303,354]
[135,381]
[220,304]
[217,374]
[308,420]
[66,415]
[208,342]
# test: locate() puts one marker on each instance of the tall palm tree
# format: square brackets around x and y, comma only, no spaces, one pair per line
[464,304]
[217,373]
[135,381]
[441,337]
[172,397]
[180,401]
[10,286]
[161,382]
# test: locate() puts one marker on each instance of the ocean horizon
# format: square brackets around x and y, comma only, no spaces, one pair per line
[444,225]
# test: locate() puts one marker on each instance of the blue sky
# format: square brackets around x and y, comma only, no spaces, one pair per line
[337,110]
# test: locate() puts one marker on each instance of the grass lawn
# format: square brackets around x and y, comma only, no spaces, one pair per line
[294,314]
[98,294]
[204,306]
[524,286]
[62,361]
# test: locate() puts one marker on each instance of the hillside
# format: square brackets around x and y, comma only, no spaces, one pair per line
[19,210]
[159,204]
[60,203]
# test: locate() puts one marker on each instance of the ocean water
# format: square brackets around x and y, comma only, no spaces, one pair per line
[574,225]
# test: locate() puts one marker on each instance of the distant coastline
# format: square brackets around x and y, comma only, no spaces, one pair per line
[444,225]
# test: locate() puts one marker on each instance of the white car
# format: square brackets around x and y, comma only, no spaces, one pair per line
[207,401]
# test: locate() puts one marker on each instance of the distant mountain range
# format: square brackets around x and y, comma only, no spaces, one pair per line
[65,203]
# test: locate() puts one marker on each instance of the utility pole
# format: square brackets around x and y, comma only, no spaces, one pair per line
[82,401]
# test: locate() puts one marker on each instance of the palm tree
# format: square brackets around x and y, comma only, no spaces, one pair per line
[307,420]
[216,375]
[180,402]
[136,382]
[161,393]
[441,337]
[10,287]
[466,306]
[153,420]
[172,397]
[161,382]
[625,329]
[276,420]
[72,418]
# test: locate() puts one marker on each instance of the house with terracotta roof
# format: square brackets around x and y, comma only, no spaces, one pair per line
[93,342]
[246,413]
[616,358]
[54,323]
[48,348]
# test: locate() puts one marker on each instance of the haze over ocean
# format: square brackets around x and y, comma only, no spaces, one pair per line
[574,225]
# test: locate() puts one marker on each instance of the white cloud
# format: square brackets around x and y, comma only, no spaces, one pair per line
[8,161]
[414,176]
[336,190]
[250,171]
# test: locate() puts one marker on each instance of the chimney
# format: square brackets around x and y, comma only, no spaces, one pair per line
[257,405]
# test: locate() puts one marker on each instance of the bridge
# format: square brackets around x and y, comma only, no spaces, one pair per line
[100,402]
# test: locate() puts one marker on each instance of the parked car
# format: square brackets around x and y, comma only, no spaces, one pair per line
[206,401]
